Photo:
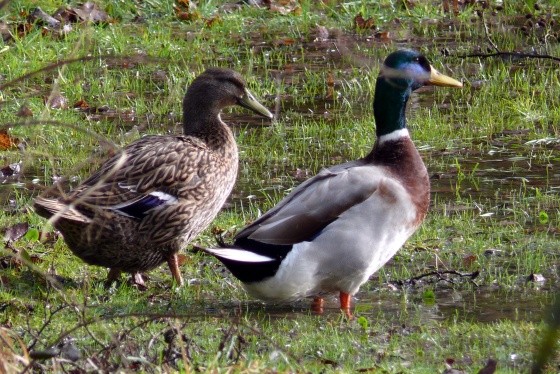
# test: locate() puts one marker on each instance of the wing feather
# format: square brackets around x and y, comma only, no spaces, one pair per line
[315,204]
[153,163]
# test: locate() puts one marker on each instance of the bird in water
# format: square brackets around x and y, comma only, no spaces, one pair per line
[151,199]
[335,230]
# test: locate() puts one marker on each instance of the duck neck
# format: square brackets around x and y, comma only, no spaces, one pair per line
[393,146]
[202,120]
[389,107]
[199,117]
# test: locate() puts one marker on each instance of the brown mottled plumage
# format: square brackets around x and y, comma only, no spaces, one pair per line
[146,203]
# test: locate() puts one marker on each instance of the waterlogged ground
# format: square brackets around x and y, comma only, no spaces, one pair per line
[473,284]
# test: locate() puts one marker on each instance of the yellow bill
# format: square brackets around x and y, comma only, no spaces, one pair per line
[439,79]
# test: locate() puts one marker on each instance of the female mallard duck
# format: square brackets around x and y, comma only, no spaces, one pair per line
[147,202]
[335,230]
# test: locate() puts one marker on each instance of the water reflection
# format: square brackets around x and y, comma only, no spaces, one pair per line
[485,304]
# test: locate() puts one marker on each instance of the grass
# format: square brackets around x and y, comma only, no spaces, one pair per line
[490,147]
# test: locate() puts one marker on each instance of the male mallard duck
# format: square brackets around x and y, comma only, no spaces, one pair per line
[147,202]
[332,232]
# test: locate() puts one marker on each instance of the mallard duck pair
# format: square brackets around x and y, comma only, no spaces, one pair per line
[332,232]
[150,200]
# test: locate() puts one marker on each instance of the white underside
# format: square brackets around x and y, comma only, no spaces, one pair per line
[347,252]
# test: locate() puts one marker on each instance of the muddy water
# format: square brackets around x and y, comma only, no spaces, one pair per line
[482,305]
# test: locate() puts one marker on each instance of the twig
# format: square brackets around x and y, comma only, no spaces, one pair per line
[136,58]
[47,322]
[500,53]
[487,32]
[439,275]
[511,54]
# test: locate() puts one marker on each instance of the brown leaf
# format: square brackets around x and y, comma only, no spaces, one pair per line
[24,111]
[81,104]
[185,16]
[469,259]
[87,12]
[490,367]
[16,232]
[5,32]
[38,15]
[322,33]
[285,7]
[360,23]
[57,101]
[90,12]
[7,141]
[284,42]
[213,21]
[185,10]
[187,5]
[383,36]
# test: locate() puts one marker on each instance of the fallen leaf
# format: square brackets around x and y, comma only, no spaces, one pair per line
[213,21]
[186,4]
[360,23]
[322,34]
[5,32]
[7,141]
[81,104]
[90,12]
[185,10]
[24,111]
[284,42]
[39,16]
[57,101]
[7,171]
[86,12]
[15,232]
[469,259]
[383,36]
[490,367]
[536,278]
[284,7]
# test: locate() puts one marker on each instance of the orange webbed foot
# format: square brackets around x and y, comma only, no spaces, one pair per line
[345,300]
[318,305]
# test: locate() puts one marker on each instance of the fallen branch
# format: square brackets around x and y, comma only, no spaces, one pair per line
[440,276]
[512,55]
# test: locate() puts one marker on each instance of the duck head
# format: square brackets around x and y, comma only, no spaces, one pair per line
[402,72]
[214,90]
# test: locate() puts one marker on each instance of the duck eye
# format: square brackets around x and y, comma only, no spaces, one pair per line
[423,61]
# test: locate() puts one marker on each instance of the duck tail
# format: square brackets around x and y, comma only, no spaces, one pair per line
[54,210]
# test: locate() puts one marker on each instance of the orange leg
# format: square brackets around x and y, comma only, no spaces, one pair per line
[317,305]
[345,300]
[173,262]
